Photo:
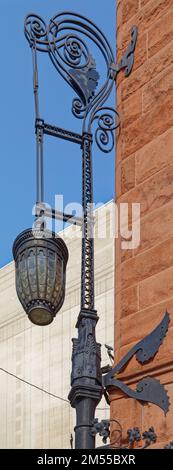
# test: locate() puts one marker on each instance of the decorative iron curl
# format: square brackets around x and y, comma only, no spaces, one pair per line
[108,120]
[78,108]
[66,39]
[35,30]
[74,50]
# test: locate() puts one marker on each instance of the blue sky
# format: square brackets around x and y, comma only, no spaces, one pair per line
[62,159]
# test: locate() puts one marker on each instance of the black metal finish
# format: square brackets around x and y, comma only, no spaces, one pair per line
[146,349]
[102,428]
[108,120]
[148,389]
[86,378]
[40,263]
[64,39]
[84,81]
[87,269]
[67,39]
[133,435]
[150,437]
[58,132]
[109,351]
[127,60]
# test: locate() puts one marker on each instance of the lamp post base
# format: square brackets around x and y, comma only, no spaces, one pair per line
[85,401]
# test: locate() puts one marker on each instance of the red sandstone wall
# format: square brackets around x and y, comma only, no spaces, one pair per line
[144,173]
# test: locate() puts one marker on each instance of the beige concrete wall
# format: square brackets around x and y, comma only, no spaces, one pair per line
[42,355]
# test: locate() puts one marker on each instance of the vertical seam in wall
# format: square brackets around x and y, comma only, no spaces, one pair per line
[135,168]
[142,101]
[147,43]
[138,296]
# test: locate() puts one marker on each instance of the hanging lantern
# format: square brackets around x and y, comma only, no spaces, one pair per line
[40,265]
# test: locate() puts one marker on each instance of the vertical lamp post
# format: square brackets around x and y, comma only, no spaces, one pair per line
[41,259]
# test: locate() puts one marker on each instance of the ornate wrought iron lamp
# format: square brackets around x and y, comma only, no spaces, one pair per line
[66,39]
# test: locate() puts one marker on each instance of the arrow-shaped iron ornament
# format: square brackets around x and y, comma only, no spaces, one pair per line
[148,389]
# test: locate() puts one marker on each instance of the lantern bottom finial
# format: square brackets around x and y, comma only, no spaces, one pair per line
[40,316]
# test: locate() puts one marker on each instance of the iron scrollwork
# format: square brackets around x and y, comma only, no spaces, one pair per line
[64,39]
[35,30]
[108,120]
[67,39]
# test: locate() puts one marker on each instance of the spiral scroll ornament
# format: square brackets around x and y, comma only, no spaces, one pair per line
[75,51]
[108,120]
[35,30]
[78,108]
[67,39]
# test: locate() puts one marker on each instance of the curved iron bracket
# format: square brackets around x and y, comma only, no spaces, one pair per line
[127,60]
[66,39]
[148,389]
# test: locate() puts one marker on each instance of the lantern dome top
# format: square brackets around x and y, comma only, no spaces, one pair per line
[38,234]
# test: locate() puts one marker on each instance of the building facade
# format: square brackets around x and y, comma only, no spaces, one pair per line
[144,281]
[42,355]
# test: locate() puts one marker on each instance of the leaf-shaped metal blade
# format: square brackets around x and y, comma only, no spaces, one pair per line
[152,391]
[149,346]
[127,60]
[85,80]
[148,390]
[144,350]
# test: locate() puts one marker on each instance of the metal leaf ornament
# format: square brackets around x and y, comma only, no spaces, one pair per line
[149,346]
[84,81]
[148,389]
